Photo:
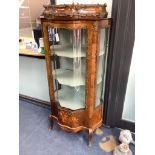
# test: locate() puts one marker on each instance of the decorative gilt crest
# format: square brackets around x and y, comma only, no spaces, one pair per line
[78,11]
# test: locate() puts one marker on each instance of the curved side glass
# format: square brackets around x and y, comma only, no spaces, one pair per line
[68,50]
[102,60]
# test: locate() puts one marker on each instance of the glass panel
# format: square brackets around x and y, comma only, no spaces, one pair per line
[129,102]
[68,54]
[101,67]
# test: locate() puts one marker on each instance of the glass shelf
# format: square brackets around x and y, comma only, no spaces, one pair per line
[66,77]
[67,51]
[69,97]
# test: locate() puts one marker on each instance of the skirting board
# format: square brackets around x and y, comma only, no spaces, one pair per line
[35,101]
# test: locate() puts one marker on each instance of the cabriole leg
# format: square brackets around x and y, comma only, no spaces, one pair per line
[50,123]
[90,135]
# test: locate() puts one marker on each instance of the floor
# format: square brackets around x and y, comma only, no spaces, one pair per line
[36,139]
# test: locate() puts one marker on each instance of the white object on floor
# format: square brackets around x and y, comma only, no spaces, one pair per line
[126,137]
[122,149]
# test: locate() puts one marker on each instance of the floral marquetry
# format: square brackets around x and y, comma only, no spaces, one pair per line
[68,118]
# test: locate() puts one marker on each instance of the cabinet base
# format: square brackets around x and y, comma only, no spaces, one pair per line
[89,131]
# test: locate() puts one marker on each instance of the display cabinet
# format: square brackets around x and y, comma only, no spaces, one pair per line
[75,42]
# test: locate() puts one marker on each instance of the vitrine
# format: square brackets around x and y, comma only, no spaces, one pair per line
[75,42]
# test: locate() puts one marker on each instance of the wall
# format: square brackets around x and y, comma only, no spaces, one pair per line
[27,16]
[32,78]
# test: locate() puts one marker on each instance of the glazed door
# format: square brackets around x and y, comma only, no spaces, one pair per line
[67,46]
[68,66]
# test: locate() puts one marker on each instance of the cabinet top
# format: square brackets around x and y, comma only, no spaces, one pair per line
[75,12]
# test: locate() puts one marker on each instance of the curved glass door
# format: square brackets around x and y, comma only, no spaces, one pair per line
[68,51]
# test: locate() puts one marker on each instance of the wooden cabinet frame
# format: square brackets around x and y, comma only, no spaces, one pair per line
[89,118]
